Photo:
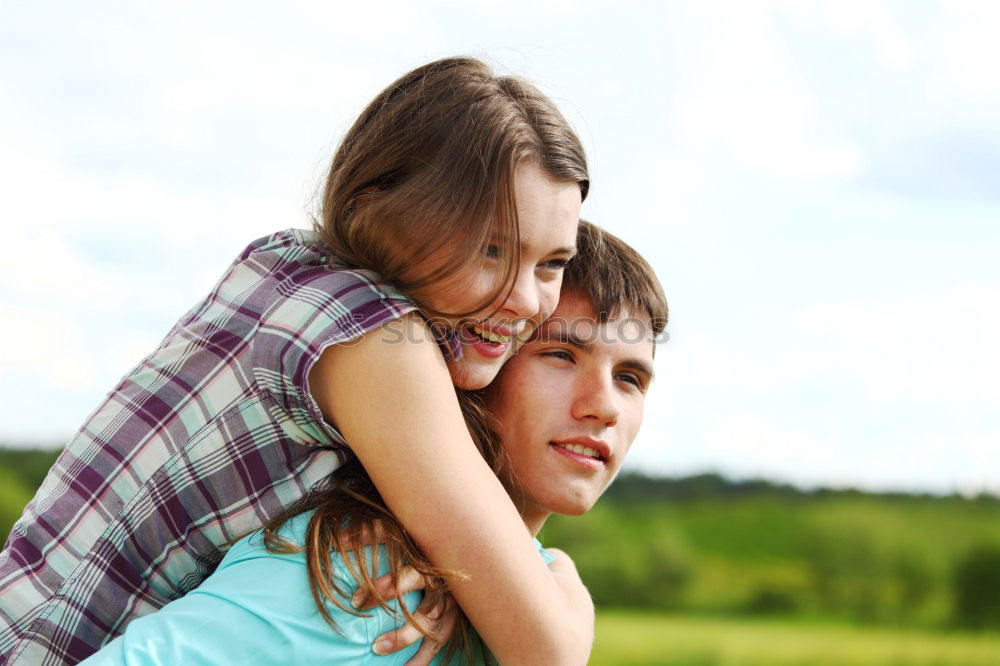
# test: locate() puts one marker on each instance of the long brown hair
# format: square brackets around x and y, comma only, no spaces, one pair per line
[349,514]
[424,177]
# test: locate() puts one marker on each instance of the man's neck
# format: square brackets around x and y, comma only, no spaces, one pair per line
[533,516]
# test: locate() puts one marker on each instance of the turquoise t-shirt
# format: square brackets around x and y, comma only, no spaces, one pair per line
[257,608]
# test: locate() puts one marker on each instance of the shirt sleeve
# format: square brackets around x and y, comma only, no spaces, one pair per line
[315,308]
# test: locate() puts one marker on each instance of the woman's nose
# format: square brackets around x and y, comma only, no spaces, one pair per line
[525,298]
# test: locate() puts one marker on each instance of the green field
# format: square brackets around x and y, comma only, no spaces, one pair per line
[629,638]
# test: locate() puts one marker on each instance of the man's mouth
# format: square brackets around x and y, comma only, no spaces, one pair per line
[580,449]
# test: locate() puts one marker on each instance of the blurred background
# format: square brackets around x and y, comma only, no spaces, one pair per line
[816,184]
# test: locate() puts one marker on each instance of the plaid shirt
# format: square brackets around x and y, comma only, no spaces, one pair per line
[205,440]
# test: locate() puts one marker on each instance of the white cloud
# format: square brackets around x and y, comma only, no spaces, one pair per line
[750,445]
[767,128]
[38,341]
[897,52]
[884,394]
[853,16]
[925,350]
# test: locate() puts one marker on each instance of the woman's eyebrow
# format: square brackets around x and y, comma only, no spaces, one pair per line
[524,246]
[568,249]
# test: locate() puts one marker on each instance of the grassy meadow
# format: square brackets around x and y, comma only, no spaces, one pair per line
[630,638]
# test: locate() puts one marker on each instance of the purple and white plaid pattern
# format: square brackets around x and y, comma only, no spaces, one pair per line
[206,439]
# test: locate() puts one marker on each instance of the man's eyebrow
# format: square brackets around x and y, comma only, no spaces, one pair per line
[566,337]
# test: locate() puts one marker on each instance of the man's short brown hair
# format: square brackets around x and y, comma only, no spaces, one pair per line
[614,278]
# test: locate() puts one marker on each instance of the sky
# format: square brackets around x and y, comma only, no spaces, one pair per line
[817,185]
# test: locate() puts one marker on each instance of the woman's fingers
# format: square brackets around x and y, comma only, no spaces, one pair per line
[410,580]
[438,619]
[394,641]
[425,653]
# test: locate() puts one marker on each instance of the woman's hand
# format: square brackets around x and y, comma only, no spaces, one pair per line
[438,618]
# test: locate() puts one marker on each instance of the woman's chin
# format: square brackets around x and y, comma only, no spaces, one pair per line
[471,373]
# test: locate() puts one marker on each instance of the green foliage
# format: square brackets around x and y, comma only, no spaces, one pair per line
[21,472]
[977,588]
[13,496]
[762,549]
[624,560]
[29,465]
[864,566]
[780,590]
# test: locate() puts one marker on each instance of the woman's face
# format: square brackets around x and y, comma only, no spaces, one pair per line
[548,213]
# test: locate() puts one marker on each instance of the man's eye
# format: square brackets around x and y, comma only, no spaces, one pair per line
[559,354]
[630,379]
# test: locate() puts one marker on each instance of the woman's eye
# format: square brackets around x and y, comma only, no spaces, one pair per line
[491,251]
[554,264]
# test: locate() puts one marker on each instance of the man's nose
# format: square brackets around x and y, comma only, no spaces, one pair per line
[596,400]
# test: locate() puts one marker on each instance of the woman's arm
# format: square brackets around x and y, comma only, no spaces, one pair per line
[391,397]
[440,619]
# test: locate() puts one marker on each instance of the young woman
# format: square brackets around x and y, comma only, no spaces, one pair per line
[449,212]
[565,409]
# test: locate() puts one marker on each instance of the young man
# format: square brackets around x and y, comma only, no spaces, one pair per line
[569,404]
[566,408]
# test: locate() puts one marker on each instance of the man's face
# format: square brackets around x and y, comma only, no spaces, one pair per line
[569,405]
